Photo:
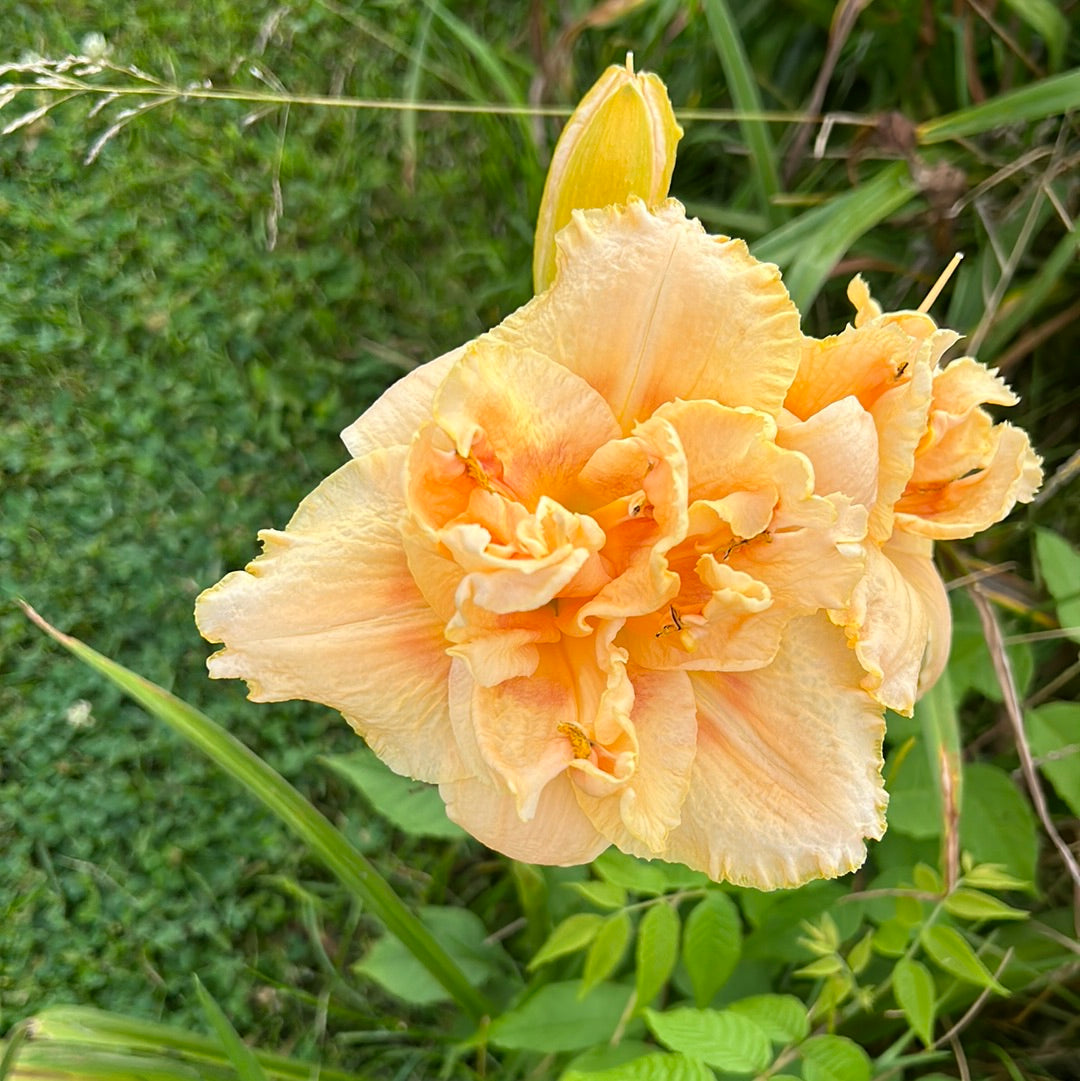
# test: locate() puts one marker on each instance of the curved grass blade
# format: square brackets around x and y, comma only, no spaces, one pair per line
[64,1031]
[744,92]
[241,1057]
[1047,97]
[358,875]
[808,247]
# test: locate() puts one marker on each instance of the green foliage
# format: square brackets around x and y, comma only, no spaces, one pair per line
[411,806]
[177,354]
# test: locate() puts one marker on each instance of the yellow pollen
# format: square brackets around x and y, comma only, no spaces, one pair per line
[579,742]
[477,472]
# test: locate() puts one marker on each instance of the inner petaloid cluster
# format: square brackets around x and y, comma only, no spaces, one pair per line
[642,566]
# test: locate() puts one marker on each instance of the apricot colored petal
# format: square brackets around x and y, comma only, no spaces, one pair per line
[890,373]
[329,602]
[395,417]
[646,307]
[964,507]
[642,580]
[913,557]
[898,619]
[787,782]
[842,445]
[641,815]
[538,422]
[558,834]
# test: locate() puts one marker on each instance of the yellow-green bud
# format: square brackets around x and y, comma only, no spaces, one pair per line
[619,142]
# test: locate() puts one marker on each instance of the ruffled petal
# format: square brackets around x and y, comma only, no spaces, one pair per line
[559,833]
[787,782]
[842,444]
[899,616]
[761,547]
[331,601]
[518,798]
[969,472]
[643,812]
[890,374]
[969,504]
[646,307]
[395,417]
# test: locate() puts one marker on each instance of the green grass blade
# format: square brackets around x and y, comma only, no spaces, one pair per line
[481,52]
[1027,301]
[1048,21]
[744,92]
[808,247]
[936,711]
[239,1054]
[413,82]
[1048,97]
[73,1062]
[86,1027]
[358,875]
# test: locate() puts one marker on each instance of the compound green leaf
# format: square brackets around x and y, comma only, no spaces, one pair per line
[914,989]
[1054,733]
[573,934]
[606,951]
[657,951]
[712,943]
[834,1058]
[719,1037]
[950,951]
[556,1018]
[782,1018]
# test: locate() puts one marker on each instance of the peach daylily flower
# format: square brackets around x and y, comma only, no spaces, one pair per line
[883,421]
[579,573]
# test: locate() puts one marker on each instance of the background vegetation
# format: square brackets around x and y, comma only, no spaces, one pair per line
[186,324]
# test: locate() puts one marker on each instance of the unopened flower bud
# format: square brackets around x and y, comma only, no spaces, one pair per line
[620,141]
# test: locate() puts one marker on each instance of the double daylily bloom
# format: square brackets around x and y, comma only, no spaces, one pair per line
[643,565]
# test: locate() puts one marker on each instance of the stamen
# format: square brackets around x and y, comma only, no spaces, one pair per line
[580,743]
[940,284]
[673,626]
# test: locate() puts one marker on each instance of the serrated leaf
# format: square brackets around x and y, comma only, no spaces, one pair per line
[782,1018]
[914,989]
[1054,734]
[975,905]
[606,950]
[950,951]
[712,943]
[655,1067]
[573,934]
[556,1018]
[657,951]
[413,807]
[834,1058]
[721,1038]
[607,895]
[997,824]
